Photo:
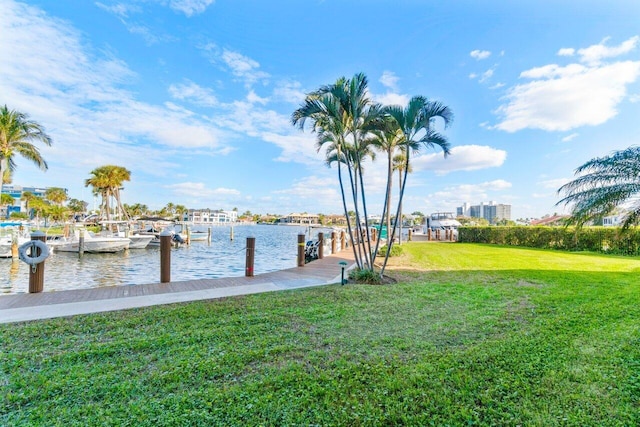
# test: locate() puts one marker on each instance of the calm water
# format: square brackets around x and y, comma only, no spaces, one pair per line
[276,249]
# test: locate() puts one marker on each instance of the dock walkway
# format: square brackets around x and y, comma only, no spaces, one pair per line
[45,305]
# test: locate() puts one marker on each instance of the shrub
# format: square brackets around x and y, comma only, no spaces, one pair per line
[369,277]
[594,239]
[396,250]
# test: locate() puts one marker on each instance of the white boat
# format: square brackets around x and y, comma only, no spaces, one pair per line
[438,226]
[125,229]
[92,243]
[10,232]
[140,241]
[185,231]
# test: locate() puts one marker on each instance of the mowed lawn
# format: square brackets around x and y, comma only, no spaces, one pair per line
[470,335]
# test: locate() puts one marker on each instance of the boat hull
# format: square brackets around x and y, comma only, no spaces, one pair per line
[91,246]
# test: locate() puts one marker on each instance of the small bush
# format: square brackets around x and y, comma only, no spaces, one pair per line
[369,277]
[396,250]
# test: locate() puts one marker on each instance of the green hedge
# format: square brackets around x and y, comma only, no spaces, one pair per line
[595,239]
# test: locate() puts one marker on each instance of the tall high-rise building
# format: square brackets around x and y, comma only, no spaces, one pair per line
[492,211]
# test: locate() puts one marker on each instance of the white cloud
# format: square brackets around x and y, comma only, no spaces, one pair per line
[473,76]
[253,98]
[124,13]
[480,54]
[462,158]
[566,51]
[119,9]
[47,69]
[456,195]
[190,7]
[564,98]
[389,80]
[200,190]
[192,92]
[486,75]
[570,137]
[594,54]
[554,183]
[316,188]
[240,65]
[390,98]
[561,98]
[289,91]
[299,147]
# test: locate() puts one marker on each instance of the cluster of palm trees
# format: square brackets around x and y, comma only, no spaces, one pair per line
[352,128]
[107,181]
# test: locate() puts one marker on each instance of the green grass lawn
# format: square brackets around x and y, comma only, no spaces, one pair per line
[470,335]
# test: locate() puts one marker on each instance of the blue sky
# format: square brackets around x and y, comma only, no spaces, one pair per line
[194,97]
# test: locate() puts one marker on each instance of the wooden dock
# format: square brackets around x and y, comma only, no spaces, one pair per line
[21,307]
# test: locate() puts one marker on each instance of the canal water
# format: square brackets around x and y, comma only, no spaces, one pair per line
[276,249]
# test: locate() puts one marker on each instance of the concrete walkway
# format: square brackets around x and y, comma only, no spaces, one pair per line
[46,305]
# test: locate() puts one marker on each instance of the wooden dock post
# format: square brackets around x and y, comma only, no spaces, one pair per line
[251,250]
[334,244]
[410,234]
[231,233]
[165,256]
[209,235]
[429,233]
[36,272]
[81,244]
[14,247]
[343,240]
[301,250]
[320,245]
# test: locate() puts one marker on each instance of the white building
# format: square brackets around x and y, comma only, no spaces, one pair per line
[491,211]
[209,216]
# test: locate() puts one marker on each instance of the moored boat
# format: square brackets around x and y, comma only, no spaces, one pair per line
[91,243]
[11,232]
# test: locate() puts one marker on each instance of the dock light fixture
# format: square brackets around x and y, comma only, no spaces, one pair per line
[343,264]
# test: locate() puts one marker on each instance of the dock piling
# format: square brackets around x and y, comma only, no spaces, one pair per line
[251,250]
[165,256]
[301,244]
[36,272]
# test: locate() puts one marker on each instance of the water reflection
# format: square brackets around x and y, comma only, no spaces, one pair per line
[276,249]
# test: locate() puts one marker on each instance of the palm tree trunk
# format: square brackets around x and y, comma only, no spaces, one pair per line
[358,226]
[395,223]
[400,210]
[386,207]
[346,212]
[2,161]
[368,252]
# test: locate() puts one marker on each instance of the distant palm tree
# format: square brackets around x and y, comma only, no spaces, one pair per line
[77,206]
[56,195]
[6,200]
[180,211]
[107,181]
[602,185]
[27,196]
[17,133]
